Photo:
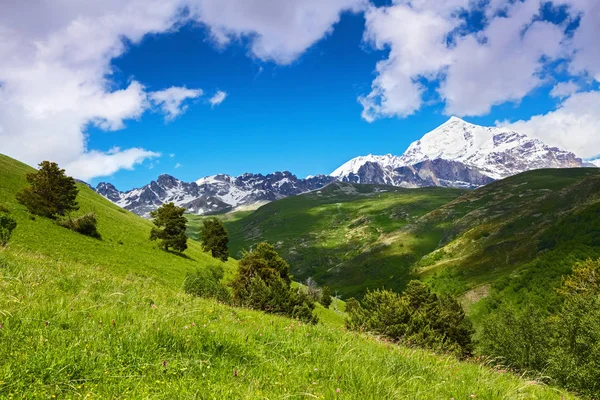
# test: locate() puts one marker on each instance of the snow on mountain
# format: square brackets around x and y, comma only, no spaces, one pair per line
[497,152]
[352,168]
[213,194]
[458,154]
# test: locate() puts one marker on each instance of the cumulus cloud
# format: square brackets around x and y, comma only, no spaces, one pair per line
[279,31]
[218,98]
[470,72]
[55,66]
[574,125]
[564,89]
[94,163]
[171,100]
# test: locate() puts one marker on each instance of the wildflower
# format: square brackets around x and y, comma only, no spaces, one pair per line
[114,323]
[235,372]
[193,324]
[1,326]
[47,323]
[337,390]
[165,363]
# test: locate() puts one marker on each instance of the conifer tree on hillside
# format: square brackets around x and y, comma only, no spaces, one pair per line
[214,238]
[170,227]
[50,193]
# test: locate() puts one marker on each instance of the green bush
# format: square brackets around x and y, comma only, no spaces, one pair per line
[86,225]
[263,283]
[564,346]
[206,283]
[7,226]
[4,208]
[417,317]
[326,297]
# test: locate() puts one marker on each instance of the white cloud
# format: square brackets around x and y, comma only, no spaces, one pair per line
[178,165]
[95,163]
[218,98]
[506,60]
[564,89]
[55,65]
[278,30]
[171,100]
[574,125]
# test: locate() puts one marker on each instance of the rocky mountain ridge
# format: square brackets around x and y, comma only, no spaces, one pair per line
[456,154]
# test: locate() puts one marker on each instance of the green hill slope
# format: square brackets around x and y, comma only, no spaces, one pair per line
[321,233]
[82,318]
[459,240]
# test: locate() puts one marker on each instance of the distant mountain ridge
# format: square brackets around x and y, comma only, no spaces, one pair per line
[455,154]
[213,194]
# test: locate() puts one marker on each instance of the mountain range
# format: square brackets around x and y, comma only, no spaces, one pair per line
[456,154]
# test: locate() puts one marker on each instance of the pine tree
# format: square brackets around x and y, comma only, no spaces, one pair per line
[170,227]
[214,238]
[50,193]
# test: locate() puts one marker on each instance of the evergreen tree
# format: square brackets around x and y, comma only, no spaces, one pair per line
[214,238]
[170,227]
[326,297]
[263,282]
[50,193]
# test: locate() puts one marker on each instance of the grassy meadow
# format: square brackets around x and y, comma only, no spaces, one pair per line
[88,318]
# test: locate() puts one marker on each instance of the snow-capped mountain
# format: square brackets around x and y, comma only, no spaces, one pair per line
[214,194]
[458,154]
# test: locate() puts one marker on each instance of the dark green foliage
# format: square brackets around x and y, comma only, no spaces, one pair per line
[326,297]
[7,226]
[575,360]
[519,337]
[417,317]
[50,193]
[263,283]
[564,346]
[214,238]
[206,283]
[170,227]
[86,225]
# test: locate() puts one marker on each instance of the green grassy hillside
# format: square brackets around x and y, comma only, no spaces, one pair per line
[322,234]
[458,240]
[86,318]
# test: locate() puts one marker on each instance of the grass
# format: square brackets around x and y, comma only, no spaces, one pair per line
[87,318]
[326,234]
[73,330]
[359,237]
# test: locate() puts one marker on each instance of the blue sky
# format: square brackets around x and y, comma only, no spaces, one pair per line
[301,96]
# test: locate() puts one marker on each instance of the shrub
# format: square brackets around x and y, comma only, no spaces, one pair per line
[4,208]
[206,283]
[7,226]
[417,317]
[86,225]
[263,283]
[326,297]
[50,193]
